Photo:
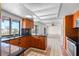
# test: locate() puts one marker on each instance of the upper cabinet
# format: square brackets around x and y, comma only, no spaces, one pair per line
[76,20]
[71,26]
[27,23]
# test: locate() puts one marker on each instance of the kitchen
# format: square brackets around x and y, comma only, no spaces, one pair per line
[47,31]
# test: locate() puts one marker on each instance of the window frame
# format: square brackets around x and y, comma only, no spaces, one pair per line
[10,26]
[19,26]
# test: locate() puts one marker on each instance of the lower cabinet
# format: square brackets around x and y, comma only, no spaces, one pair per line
[24,42]
[39,43]
[42,44]
[30,41]
[14,41]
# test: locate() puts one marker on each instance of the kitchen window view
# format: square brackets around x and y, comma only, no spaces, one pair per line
[5,24]
[15,30]
[10,27]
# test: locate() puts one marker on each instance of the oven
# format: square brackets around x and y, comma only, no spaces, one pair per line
[71,46]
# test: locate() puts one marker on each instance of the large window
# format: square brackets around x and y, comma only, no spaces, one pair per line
[5,24]
[10,27]
[15,28]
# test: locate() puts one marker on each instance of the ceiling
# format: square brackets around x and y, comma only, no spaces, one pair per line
[45,12]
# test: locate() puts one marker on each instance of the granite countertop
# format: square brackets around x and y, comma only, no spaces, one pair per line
[74,40]
[9,38]
[10,50]
[12,37]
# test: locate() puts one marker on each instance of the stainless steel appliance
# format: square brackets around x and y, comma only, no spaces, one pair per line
[71,46]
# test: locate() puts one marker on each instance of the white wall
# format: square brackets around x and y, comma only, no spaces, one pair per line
[55,32]
[56,29]
[52,30]
[7,14]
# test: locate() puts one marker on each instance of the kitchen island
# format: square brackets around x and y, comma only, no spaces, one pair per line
[14,46]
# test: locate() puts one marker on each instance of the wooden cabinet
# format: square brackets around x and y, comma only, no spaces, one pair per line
[73,19]
[23,42]
[27,23]
[39,42]
[36,41]
[14,41]
[30,41]
[43,43]
[71,31]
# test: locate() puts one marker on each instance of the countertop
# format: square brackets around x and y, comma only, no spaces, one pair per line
[9,38]
[74,40]
[10,50]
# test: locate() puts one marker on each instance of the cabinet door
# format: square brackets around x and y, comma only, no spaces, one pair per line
[23,42]
[28,41]
[37,43]
[32,42]
[27,23]
[41,43]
